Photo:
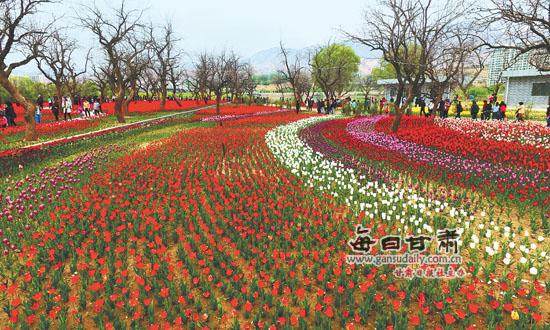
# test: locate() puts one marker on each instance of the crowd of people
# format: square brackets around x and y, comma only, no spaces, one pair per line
[83,106]
[491,108]
[88,106]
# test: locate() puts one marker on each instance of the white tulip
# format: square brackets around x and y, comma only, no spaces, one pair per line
[522,260]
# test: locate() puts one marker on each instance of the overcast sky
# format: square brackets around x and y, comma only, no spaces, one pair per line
[246,26]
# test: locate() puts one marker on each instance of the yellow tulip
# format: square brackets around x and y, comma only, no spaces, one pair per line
[514,315]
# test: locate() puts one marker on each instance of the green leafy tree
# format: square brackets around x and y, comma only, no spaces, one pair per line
[384,71]
[333,69]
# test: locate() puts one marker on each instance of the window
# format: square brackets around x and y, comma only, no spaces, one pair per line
[541,89]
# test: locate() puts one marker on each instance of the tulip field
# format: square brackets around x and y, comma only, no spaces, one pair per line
[244,221]
[12,137]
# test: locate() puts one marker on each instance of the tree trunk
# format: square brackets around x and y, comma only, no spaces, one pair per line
[399,109]
[438,96]
[119,102]
[133,92]
[175,98]
[163,93]
[218,100]
[59,93]
[102,95]
[30,123]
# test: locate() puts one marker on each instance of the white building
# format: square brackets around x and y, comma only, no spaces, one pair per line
[523,82]
[531,87]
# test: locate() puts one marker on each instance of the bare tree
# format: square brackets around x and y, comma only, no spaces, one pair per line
[296,75]
[249,83]
[135,61]
[217,73]
[524,26]
[53,61]
[473,64]
[20,37]
[177,76]
[148,82]
[163,56]
[197,80]
[365,84]
[100,77]
[446,61]
[236,87]
[405,31]
[73,78]
[115,36]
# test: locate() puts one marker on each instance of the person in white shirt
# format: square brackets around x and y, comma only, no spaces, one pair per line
[67,107]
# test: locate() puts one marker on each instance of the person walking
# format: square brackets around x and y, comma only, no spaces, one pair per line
[382,104]
[40,101]
[446,108]
[502,110]
[430,108]
[67,107]
[520,112]
[319,106]
[38,114]
[422,105]
[548,116]
[97,107]
[496,111]
[86,105]
[55,110]
[10,114]
[486,111]
[474,110]
[3,120]
[354,106]
[441,108]
[458,109]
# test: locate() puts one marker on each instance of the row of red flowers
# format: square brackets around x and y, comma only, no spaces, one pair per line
[207,229]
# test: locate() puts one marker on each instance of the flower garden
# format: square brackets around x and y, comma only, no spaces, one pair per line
[11,138]
[243,221]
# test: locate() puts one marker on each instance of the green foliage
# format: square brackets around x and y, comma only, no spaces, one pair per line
[265,79]
[29,88]
[88,88]
[384,71]
[334,68]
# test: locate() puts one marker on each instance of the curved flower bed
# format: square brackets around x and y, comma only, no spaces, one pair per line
[24,202]
[265,112]
[300,147]
[209,228]
[526,132]
[423,131]
[531,180]
[344,183]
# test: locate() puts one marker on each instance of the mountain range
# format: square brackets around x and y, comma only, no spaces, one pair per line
[269,60]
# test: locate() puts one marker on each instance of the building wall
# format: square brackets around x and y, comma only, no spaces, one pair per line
[520,90]
[505,59]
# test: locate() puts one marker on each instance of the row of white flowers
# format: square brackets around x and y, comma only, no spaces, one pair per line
[415,213]
[528,133]
[346,185]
